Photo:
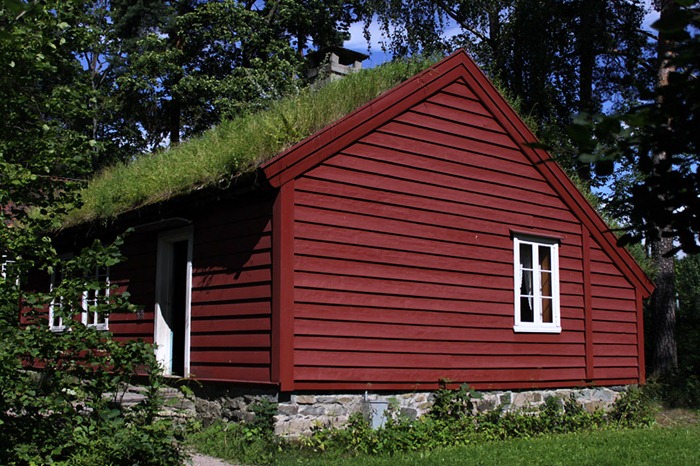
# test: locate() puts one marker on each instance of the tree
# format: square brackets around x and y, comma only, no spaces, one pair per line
[184,66]
[556,58]
[58,389]
[688,325]
[659,138]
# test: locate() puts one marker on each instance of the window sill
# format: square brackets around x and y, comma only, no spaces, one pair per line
[535,328]
[99,327]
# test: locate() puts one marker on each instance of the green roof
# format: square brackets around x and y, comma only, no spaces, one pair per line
[235,147]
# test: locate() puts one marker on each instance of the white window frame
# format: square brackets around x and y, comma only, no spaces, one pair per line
[4,260]
[99,322]
[537,325]
[55,302]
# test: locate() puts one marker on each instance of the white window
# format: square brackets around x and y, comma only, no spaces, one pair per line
[91,298]
[536,284]
[4,262]
[94,297]
[55,319]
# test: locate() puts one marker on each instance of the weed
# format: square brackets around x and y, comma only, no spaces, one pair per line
[633,408]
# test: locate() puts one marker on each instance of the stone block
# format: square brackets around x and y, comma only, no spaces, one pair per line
[348,399]
[295,427]
[602,395]
[304,399]
[425,406]
[526,399]
[288,409]
[335,410]
[326,399]
[593,406]
[207,409]
[312,410]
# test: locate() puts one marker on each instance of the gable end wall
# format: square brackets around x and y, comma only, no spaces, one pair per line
[403,263]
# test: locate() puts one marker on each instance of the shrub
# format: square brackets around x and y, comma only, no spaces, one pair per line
[633,408]
[251,442]
[59,390]
[452,422]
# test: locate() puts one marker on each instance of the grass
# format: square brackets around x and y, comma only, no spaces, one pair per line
[652,446]
[639,447]
[235,147]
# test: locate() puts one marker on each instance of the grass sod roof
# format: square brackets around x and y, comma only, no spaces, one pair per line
[235,147]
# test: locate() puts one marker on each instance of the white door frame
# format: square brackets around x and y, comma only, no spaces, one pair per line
[162,334]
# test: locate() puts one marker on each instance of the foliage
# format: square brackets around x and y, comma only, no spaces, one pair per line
[451,422]
[55,96]
[682,387]
[634,408]
[236,146]
[60,390]
[106,79]
[558,58]
[665,195]
[251,442]
[452,404]
[185,65]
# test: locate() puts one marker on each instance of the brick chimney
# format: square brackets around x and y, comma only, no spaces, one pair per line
[333,63]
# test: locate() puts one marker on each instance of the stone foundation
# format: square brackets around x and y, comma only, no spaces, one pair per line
[300,413]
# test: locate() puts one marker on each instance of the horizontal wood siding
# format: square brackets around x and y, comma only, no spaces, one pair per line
[615,326]
[404,261]
[137,276]
[231,279]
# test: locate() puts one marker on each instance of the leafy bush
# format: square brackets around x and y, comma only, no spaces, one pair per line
[634,408]
[452,422]
[59,390]
[251,442]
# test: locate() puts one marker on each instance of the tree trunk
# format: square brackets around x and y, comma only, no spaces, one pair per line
[663,301]
[586,49]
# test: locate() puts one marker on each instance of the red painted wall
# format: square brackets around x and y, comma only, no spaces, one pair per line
[231,279]
[615,323]
[137,275]
[404,263]
[231,292]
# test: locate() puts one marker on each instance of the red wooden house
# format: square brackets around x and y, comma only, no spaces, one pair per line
[418,238]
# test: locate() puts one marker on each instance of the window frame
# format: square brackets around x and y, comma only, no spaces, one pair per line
[4,260]
[61,327]
[84,303]
[537,325]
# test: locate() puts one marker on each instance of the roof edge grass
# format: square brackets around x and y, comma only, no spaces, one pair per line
[236,146]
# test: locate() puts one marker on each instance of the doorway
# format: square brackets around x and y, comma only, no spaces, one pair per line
[173,301]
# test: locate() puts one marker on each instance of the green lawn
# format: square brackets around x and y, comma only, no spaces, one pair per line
[654,446]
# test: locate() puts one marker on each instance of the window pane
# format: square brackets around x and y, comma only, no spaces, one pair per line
[545,259]
[547,310]
[526,312]
[546,286]
[526,282]
[525,256]
[56,320]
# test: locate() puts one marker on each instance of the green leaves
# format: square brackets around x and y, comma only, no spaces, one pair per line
[658,140]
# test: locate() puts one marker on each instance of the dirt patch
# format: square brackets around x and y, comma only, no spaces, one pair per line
[677,417]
